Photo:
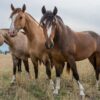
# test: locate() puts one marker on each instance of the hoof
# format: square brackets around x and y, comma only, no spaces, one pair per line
[28,76]
[97,86]
[83,97]
[13,82]
[55,92]
[51,84]
[82,94]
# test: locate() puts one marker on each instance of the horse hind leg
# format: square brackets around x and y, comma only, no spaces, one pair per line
[95,61]
[72,63]
[97,69]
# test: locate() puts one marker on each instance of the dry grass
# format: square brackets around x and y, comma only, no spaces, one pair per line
[39,89]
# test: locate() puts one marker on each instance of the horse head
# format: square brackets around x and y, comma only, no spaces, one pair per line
[17,19]
[49,23]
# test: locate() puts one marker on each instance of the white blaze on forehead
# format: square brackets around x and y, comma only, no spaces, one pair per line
[44,21]
[49,30]
[12,23]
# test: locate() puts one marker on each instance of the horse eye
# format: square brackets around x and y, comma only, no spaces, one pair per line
[20,17]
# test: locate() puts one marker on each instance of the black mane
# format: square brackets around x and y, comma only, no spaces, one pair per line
[49,15]
[58,17]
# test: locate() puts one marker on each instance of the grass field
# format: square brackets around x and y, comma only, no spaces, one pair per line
[39,89]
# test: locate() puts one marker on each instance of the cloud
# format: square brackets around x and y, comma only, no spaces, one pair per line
[80,15]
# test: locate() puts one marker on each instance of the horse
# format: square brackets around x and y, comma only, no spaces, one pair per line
[18,51]
[1,40]
[35,36]
[72,46]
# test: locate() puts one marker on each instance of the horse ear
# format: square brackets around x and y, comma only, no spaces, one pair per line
[43,10]
[55,11]
[24,8]
[12,7]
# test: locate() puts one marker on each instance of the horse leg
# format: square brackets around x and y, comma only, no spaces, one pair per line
[19,66]
[58,74]
[97,77]
[68,70]
[97,69]
[15,62]
[35,63]
[72,63]
[95,61]
[92,60]
[48,64]
[48,72]
[62,67]
[26,64]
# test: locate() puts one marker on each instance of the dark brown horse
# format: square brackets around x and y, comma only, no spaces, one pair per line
[71,46]
[18,49]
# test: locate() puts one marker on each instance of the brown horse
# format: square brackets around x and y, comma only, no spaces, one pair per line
[34,33]
[71,46]
[1,40]
[18,51]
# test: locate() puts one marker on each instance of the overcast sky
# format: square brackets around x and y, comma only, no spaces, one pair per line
[80,15]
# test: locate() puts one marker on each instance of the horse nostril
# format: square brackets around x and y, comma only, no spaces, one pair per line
[11,33]
[47,45]
[51,45]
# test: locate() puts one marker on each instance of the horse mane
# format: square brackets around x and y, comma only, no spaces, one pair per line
[58,17]
[32,18]
[60,21]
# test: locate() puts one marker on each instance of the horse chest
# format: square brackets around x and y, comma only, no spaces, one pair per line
[57,56]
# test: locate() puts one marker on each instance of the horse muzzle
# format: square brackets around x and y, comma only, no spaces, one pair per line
[49,45]
[12,33]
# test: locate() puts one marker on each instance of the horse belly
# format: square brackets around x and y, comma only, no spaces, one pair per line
[83,54]
[20,53]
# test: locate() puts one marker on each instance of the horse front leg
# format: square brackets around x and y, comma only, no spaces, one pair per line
[26,64]
[72,63]
[19,65]
[48,64]
[59,69]
[15,63]
[48,72]
[35,64]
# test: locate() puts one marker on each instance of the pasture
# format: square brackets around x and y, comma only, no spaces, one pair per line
[25,89]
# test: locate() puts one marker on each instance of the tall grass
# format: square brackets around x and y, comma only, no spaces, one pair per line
[25,89]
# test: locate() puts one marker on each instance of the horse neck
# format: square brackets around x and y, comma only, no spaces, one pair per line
[33,30]
[7,38]
[63,35]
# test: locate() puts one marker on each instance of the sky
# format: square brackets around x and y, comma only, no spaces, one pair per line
[79,15]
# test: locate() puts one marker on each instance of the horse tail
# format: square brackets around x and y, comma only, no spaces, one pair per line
[68,68]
